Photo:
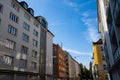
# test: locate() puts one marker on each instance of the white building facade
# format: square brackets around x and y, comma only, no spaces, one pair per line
[20,42]
[108,20]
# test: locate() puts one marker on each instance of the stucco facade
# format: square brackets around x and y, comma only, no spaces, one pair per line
[108,20]
[21,35]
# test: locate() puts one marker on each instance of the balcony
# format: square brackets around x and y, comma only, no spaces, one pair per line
[111,30]
[116,54]
[117,13]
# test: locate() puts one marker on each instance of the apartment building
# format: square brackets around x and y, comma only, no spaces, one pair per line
[59,64]
[25,43]
[99,63]
[108,20]
[73,68]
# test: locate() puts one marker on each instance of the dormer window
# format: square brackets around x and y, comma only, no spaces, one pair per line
[24,4]
[30,10]
[43,23]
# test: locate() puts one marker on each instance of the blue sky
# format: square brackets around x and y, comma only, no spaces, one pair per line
[73,22]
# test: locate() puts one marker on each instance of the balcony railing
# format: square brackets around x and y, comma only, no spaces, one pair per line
[116,54]
[117,15]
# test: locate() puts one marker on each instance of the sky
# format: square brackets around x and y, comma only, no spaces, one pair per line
[73,22]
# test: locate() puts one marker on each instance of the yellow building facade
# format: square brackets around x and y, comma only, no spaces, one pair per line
[97,58]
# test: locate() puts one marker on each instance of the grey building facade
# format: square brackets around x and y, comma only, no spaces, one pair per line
[109,27]
[23,42]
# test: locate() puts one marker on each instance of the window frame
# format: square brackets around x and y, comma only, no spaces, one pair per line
[14,17]
[24,49]
[8,60]
[34,53]
[15,6]
[23,63]
[1,8]
[10,44]
[12,30]
[35,33]
[33,65]
[25,37]
[26,26]
[35,42]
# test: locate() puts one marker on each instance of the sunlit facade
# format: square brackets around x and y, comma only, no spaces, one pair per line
[59,65]
[25,43]
[99,62]
[109,22]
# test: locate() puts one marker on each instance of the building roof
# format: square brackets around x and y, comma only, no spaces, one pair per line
[100,41]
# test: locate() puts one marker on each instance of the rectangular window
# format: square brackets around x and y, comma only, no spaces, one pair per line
[26,26]
[24,50]
[23,63]
[0,22]
[1,8]
[25,37]
[36,24]
[34,53]
[12,30]
[13,17]
[27,16]
[33,65]
[15,6]
[8,60]
[35,32]
[35,43]
[10,44]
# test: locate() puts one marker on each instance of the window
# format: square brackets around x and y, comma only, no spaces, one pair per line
[102,48]
[25,37]
[33,65]
[34,53]
[36,24]
[43,23]
[23,63]
[27,16]
[54,49]
[8,60]
[15,6]
[35,43]
[1,8]
[26,26]
[24,49]
[35,32]
[12,30]
[13,17]
[0,22]
[10,44]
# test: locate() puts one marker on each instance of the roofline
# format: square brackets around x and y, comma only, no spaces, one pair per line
[50,32]
[98,15]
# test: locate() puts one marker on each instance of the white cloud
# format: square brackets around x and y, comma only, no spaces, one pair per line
[85,3]
[77,52]
[91,23]
[72,4]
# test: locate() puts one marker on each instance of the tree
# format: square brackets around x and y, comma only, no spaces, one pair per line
[90,69]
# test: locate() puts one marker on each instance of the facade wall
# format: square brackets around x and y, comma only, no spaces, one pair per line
[49,56]
[16,54]
[73,68]
[60,62]
[23,38]
[99,63]
[110,24]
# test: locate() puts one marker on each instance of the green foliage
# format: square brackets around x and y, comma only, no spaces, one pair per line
[86,73]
